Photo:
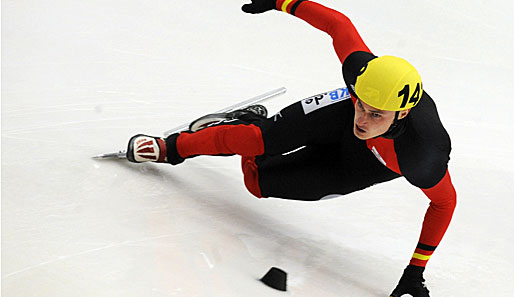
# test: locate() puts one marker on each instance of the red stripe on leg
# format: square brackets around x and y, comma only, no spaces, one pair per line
[251,176]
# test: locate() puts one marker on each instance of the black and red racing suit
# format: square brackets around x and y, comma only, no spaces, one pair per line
[308,150]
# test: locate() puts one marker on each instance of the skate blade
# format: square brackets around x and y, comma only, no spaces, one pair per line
[118,155]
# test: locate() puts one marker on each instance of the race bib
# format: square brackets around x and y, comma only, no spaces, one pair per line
[325,99]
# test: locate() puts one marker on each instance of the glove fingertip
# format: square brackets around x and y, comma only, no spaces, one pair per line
[248,8]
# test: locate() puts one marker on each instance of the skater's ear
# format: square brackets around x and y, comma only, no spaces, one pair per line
[403,113]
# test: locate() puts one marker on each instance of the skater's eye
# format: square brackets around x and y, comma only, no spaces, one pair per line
[375,115]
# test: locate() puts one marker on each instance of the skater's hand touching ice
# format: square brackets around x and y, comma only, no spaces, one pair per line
[411,283]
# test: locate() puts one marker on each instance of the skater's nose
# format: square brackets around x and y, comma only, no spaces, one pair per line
[361,119]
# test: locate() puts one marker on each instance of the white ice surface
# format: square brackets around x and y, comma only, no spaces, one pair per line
[80,77]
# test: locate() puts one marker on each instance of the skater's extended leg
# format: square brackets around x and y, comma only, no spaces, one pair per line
[315,120]
[237,134]
[241,139]
[227,134]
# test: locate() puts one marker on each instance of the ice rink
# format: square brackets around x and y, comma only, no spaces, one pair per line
[80,78]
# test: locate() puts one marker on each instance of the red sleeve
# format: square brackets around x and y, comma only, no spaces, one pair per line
[443,200]
[345,37]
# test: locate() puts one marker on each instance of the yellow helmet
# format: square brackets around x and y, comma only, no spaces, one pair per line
[389,83]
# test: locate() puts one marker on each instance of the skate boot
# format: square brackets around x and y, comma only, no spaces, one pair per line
[144,148]
[257,109]
[251,112]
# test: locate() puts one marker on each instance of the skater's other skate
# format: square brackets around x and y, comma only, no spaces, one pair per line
[256,109]
[251,112]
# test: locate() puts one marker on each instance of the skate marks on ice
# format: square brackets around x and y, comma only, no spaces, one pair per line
[261,233]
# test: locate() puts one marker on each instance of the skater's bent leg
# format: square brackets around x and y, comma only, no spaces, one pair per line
[314,173]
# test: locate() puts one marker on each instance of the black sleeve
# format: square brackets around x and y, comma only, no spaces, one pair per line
[423,150]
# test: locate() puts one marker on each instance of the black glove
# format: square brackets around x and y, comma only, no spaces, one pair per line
[412,283]
[259,6]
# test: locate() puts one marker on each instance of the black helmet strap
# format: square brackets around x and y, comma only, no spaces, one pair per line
[396,128]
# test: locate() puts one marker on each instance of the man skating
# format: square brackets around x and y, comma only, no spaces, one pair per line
[383,126]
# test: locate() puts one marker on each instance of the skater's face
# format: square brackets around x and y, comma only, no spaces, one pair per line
[370,122]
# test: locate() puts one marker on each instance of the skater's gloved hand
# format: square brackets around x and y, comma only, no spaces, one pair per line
[412,283]
[259,6]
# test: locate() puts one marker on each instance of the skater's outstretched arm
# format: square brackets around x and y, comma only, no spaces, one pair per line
[443,200]
[346,39]
[437,218]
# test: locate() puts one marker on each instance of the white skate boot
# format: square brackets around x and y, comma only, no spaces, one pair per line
[144,148]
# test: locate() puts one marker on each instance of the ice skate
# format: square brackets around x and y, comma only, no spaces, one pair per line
[216,118]
[239,107]
[144,148]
